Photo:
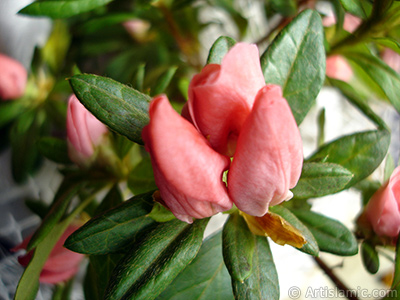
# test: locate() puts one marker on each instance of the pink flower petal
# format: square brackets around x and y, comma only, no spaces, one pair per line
[221,97]
[13,78]
[188,172]
[269,155]
[338,68]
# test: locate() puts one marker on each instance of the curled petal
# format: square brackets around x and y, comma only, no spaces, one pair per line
[13,78]
[187,171]
[221,96]
[383,209]
[269,155]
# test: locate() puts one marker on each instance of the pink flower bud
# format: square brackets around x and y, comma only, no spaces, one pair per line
[61,265]
[138,29]
[338,68]
[383,209]
[221,96]
[392,59]
[187,171]
[84,131]
[13,77]
[269,155]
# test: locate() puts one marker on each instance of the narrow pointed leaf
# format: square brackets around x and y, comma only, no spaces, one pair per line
[359,8]
[238,247]
[296,61]
[320,179]
[205,278]
[311,247]
[114,230]
[394,293]
[61,8]
[263,282]
[218,50]
[153,264]
[123,109]
[54,149]
[369,257]
[360,153]
[384,76]
[55,213]
[331,235]
[164,81]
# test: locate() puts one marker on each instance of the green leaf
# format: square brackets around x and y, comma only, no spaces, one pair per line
[359,8]
[320,179]
[205,278]
[384,76]
[331,235]
[238,247]
[141,178]
[395,288]
[111,200]
[311,247]
[98,274]
[218,50]
[360,153]
[56,211]
[160,213]
[29,283]
[389,168]
[357,100]
[116,229]
[163,82]
[287,8]
[263,282]
[296,61]
[120,107]
[54,149]
[152,264]
[369,257]
[57,9]
[9,110]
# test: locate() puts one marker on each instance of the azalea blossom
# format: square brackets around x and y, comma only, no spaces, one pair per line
[13,78]
[230,112]
[62,263]
[383,209]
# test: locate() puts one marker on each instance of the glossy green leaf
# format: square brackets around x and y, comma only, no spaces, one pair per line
[54,149]
[56,211]
[360,153]
[153,264]
[141,178]
[359,8]
[57,9]
[263,282]
[384,76]
[287,8]
[320,179]
[114,230]
[331,235]
[205,278]
[389,168]
[369,257]
[218,50]
[238,247]
[296,61]
[311,247]
[122,108]
[98,274]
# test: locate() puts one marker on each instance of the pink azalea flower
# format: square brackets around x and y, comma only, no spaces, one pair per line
[383,209]
[269,155]
[337,67]
[13,77]
[62,263]
[350,22]
[221,96]
[234,113]
[84,132]
[188,172]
